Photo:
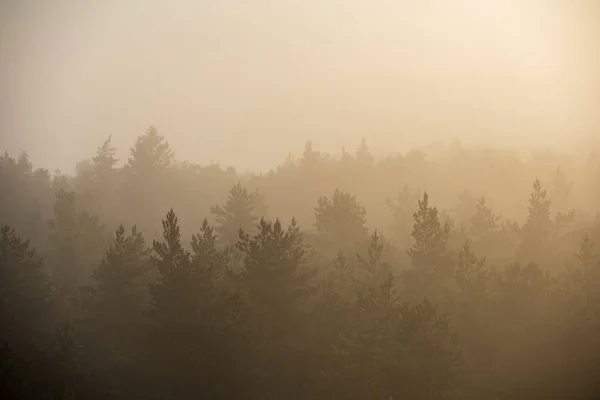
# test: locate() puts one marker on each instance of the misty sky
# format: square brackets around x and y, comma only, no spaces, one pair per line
[246,82]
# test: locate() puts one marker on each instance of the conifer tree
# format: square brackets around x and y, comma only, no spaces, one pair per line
[116,299]
[588,255]
[27,198]
[237,213]
[538,220]
[362,153]
[485,221]
[150,153]
[275,270]
[105,158]
[185,312]
[341,219]
[276,284]
[429,251]
[470,274]
[147,172]
[206,257]
[538,228]
[373,270]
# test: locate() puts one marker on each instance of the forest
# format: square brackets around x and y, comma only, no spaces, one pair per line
[443,272]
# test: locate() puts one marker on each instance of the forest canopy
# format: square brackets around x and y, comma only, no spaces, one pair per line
[440,273]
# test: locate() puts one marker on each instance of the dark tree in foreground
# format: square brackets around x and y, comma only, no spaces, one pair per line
[185,311]
[114,306]
[277,285]
[25,314]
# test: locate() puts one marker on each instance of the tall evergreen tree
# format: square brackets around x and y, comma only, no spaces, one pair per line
[277,284]
[96,179]
[538,220]
[537,231]
[429,251]
[146,174]
[363,155]
[151,152]
[185,312]
[114,305]
[237,213]
[484,222]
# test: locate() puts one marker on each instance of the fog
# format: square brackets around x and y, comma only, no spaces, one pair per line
[242,83]
[300,200]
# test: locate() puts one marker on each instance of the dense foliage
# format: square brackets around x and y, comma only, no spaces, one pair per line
[429,275]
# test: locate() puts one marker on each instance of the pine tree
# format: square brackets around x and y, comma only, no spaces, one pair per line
[310,157]
[374,269]
[105,158]
[117,296]
[362,153]
[429,252]
[275,269]
[537,231]
[538,220]
[470,273]
[341,219]
[26,200]
[485,221]
[185,311]
[206,257]
[237,213]
[146,174]
[150,153]
[587,254]
[376,285]
[276,284]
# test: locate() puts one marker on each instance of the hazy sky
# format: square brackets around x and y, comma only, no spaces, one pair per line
[245,82]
